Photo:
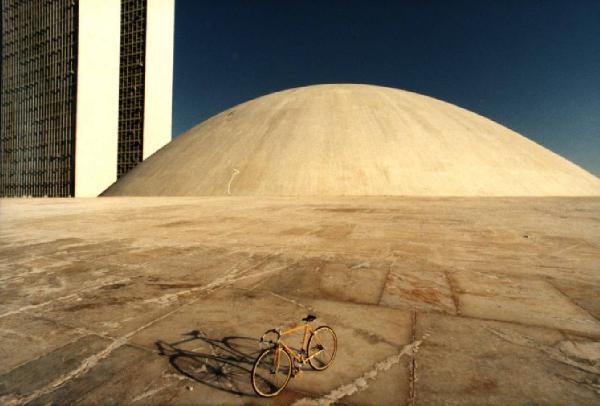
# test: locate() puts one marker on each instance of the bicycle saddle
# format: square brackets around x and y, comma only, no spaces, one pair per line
[309,318]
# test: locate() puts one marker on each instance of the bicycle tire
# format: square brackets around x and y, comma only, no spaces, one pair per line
[328,339]
[262,368]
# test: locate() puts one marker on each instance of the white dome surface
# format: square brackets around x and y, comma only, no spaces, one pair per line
[329,140]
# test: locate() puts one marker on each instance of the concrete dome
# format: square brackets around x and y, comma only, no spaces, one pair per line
[353,140]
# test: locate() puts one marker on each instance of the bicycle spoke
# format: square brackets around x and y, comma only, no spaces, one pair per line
[271,372]
[322,348]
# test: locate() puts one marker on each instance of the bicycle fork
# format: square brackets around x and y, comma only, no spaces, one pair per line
[276,363]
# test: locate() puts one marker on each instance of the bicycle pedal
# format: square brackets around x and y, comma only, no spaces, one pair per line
[297,373]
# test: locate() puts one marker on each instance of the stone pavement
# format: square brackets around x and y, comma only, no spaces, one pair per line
[434,301]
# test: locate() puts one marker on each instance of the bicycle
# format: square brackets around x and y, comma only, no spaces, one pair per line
[275,365]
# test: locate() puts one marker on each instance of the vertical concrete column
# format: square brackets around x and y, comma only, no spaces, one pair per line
[160,22]
[97,117]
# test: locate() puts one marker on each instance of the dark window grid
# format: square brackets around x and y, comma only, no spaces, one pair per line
[27,102]
[131,84]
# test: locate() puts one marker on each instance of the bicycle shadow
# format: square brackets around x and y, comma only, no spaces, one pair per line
[224,363]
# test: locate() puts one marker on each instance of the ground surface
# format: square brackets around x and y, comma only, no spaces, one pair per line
[435,301]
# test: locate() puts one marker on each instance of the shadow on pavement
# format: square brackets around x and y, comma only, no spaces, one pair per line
[220,363]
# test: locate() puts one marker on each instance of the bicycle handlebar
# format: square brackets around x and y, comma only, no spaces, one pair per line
[275,331]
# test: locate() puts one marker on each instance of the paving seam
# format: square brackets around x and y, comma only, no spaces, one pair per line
[62,298]
[362,382]
[385,283]
[453,292]
[552,352]
[289,300]
[26,274]
[571,300]
[412,388]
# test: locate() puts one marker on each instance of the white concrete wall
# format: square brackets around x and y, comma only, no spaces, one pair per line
[160,20]
[97,96]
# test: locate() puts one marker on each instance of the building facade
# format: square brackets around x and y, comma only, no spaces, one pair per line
[86,92]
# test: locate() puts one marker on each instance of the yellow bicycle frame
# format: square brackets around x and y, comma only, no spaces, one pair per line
[302,357]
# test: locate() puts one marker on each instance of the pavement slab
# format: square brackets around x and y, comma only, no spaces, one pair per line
[39,373]
[25,338]
[471,361]
[526,301]
[417,286]
[351,281]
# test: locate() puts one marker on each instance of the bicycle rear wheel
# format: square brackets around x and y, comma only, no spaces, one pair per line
[271,372]
[322,347]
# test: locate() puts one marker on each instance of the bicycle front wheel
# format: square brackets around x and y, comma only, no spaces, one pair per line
[271,372]
[322,347]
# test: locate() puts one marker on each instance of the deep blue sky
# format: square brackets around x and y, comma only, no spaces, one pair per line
[533,66]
